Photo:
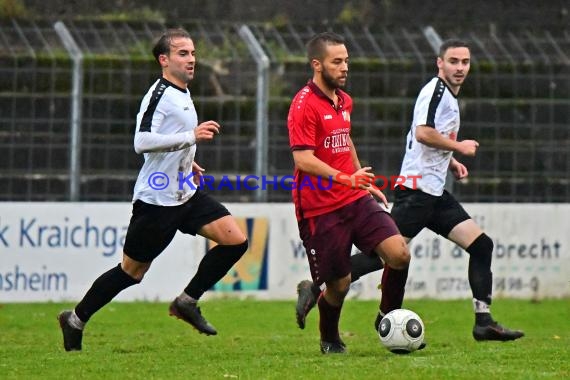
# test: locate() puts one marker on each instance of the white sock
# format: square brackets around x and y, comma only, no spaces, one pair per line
[186,298]
[74,321]
[480,306]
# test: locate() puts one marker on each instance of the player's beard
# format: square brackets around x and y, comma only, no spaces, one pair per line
[453,83]
[456,81]
[330,82]
[184,76]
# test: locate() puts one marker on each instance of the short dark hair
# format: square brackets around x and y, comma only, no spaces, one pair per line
[452,43]
[316,47]
[162,45]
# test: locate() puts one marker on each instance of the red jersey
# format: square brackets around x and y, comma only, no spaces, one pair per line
[315,124]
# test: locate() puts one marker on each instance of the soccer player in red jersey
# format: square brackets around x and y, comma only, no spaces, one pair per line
[430,145]
[333,194]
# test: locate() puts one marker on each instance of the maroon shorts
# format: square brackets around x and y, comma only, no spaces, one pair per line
[328,238]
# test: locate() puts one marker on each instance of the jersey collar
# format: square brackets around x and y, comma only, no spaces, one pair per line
[445,84]
[163,79]
[321,94]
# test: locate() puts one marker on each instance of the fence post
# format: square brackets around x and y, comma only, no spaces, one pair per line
[76,108]
[262,100]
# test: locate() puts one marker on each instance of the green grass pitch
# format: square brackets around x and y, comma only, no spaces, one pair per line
[260,340]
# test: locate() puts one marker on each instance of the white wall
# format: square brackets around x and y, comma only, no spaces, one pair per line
[54,251]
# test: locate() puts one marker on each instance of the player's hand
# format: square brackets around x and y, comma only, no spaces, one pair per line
[458,169]
[468,147]
[362,178]
[206,130]
[197,170]
[379,195]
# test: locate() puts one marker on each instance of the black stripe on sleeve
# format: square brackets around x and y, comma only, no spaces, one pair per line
[434,102]
[146,121]
[303,147]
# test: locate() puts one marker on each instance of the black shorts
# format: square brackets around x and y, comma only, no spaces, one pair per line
[153,227]
[413,210]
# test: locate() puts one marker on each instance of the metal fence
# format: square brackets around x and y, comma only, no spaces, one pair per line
[516,103]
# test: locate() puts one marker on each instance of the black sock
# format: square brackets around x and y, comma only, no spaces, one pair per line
[214,265]
[329,317]
[393,288]
[483,319]
[362,264]
[103,290]
[480,276]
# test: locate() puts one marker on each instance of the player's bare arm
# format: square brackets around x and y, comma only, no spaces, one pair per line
[431,137]
[458,169]
[306,161]
[375,191]
[362,178]
[354,155]
[197,170]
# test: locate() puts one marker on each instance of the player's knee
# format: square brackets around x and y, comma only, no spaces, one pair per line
[134,269]
[395,252]
[481,248]
[342,290]
[339,287]
[137,275]
[242,247]
[482,245]
[236,251]
[401,258]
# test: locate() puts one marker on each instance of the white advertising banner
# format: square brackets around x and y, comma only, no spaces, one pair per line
[54,251]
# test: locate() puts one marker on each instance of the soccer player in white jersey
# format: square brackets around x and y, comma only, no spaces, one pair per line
[167,131]
[430,145]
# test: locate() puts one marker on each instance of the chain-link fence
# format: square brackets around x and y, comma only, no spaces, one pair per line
[516,103]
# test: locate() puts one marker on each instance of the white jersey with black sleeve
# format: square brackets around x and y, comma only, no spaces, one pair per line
[165,134]
[436,107]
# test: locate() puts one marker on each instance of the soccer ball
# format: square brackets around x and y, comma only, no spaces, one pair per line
[401,331]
